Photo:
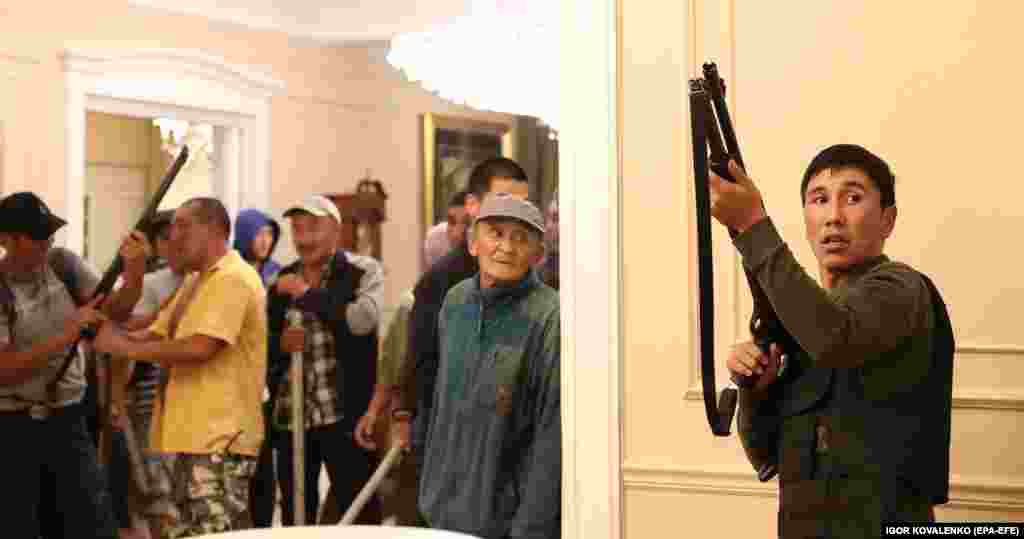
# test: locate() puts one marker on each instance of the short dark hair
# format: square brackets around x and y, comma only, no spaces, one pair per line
[480,178]
[458,200]
[840,156]
[211,211]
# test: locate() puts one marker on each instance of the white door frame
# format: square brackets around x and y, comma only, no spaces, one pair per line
[181,84]
[589,189]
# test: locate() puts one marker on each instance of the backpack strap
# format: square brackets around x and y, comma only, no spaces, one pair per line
[62,262]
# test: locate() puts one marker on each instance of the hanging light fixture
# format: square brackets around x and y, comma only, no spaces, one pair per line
[502,56]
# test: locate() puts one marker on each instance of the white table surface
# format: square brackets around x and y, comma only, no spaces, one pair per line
[342,532]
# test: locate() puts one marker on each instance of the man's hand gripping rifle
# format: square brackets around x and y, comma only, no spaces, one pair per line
[714,144]
[110,276]
[105,286]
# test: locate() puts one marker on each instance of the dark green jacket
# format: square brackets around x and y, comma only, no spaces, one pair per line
[872,381]
[492,462]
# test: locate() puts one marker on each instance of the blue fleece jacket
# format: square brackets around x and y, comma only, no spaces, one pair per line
[247,225]
[493,456]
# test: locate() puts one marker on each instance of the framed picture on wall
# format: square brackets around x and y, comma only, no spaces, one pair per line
[452,146]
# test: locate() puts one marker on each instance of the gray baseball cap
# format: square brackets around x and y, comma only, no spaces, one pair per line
[317,205]
[506,205]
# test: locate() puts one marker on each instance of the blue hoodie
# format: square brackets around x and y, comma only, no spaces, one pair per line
[248,223]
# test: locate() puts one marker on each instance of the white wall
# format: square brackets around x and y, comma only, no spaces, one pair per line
[927,86]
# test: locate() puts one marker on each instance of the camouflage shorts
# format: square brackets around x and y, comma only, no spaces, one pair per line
[211,494]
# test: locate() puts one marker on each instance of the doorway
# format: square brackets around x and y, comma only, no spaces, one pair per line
[126,159]
[175,86]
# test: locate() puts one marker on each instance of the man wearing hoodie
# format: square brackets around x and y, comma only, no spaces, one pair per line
[256,236]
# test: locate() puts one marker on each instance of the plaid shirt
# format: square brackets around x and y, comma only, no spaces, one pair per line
[319,366]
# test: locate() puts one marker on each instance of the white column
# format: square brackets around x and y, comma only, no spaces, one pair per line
[590,268]
[226,178]
[255,154]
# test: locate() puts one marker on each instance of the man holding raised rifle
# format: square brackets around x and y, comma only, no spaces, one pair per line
[858,423]
[44,306]
[212,339]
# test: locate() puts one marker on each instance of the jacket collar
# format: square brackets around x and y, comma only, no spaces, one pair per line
[855,273]
[493,296]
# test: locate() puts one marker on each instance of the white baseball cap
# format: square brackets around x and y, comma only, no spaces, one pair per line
[317,205]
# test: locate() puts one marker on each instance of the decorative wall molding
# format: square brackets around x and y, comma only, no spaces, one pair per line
[991,349]
[966,492]
[971,399]
[175,83]
[988,401]
[104,62]
[726,483]
[961,400]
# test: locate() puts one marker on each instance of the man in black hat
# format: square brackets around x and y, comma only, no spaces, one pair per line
[44,305]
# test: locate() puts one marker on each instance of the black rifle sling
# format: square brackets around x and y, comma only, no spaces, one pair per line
[709,126]
[719,416]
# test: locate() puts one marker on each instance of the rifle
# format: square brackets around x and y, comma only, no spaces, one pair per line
[710,124]
[104,288]
[117,266]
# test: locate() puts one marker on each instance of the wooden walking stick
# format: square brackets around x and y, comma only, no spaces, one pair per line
[298,427]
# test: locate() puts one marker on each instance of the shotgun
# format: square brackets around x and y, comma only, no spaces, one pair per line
[117,266]
[714,144]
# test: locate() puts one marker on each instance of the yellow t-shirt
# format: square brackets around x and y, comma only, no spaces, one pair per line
[208,403]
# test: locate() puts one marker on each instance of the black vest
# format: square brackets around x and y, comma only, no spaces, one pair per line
[879,425]
[356,374]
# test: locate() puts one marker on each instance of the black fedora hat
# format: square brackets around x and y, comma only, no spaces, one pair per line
[24,212]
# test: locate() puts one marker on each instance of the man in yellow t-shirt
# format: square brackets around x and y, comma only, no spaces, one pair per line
[212,340]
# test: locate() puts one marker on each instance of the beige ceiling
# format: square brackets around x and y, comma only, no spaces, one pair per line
[329,21]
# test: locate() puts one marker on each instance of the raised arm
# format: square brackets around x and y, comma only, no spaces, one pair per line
[836,330]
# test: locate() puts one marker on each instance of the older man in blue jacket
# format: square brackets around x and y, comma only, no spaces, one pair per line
[492,457]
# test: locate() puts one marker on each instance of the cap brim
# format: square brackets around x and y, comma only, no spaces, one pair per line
[41,230]
[513,218]
[56,223]
[50,227]
[300,209]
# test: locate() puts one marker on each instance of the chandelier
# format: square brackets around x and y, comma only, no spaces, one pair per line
[502,56]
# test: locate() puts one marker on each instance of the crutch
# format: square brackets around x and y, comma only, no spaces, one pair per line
[371,486]
[298,427]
